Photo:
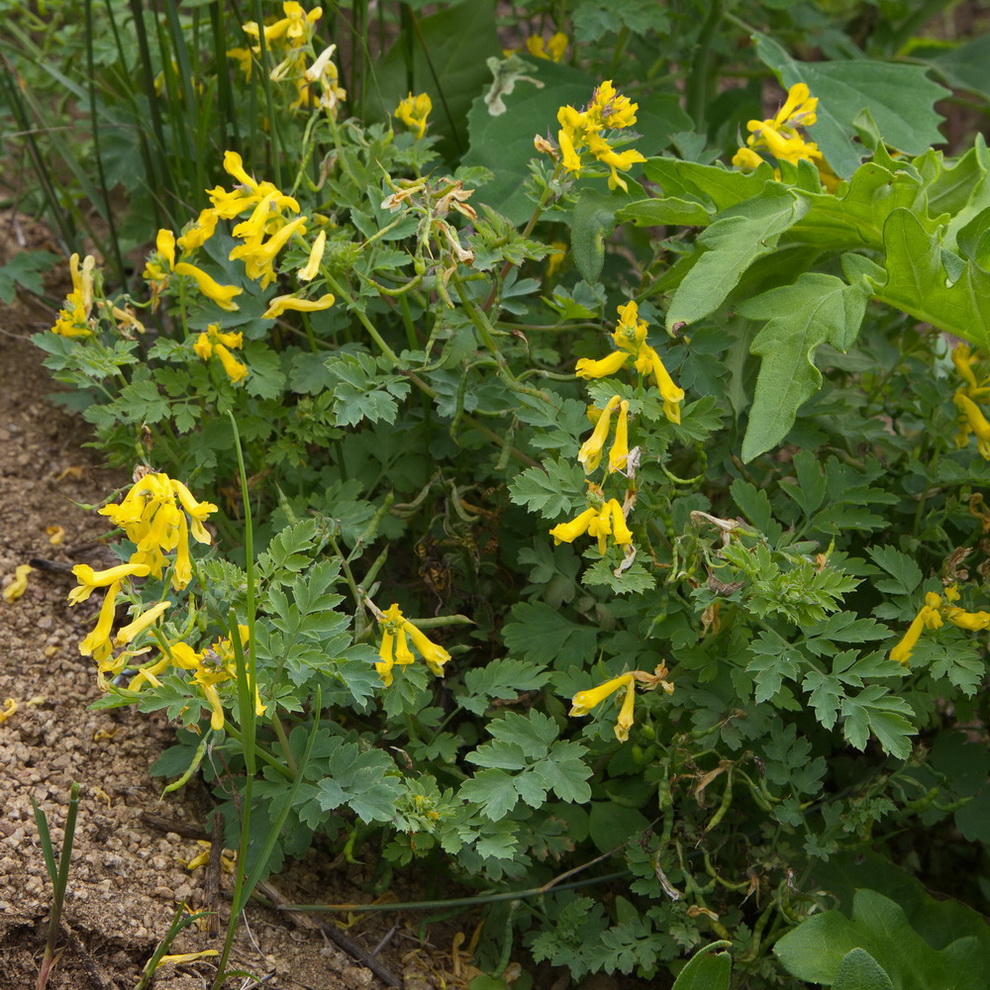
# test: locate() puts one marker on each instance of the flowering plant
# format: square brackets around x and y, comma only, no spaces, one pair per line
[661,436]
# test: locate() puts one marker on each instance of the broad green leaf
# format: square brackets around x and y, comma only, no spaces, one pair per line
[730,245]
[816,949]
[544,635]
[900,99]
[816,309]
[707,969]
[875,710]
[718,185]
[919,284]
[550,492]
[860,971]
[25,269]
[965,66]
[494,790]
[445,56]
[503,142]
[593,222]
[666,212]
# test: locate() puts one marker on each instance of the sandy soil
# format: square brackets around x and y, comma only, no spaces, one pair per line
[128,874]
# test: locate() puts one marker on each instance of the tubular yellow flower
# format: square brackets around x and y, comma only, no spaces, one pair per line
[198,233]
[973,621]
[137,626]
[89,579]
[387,653]
[590,454]
[626,717]
[928,617]
[587,368]
[648,362]
[619,453]
[972,420]
[630,332]
[97,643]
[413,112]
[568,532]
[620,531]
[214,342]
[280,304]
[395,647]
[584,701]
[222,295]
[312,266]
[601,526]
[964,359]
[165,245]
[73,319]
[434,654]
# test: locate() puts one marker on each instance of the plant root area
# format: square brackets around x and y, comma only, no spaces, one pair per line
[129,871]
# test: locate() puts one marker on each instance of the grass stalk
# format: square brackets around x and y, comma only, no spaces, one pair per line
[58,873]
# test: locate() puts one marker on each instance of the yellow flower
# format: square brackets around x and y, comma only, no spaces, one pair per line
[619,453]
[222,295]
[137,626]
[584,701]
[280,304]
[413,111]
[152,521]
[555,260]
[964,359]
[972,420]
[312,266]
[199,232]
[973,621]
[553,50]
[215,665]
[394,647]
[928,617]
[648,362]
[568,532]
[779,136]
[18,586]
[602,368]
[324,73]
[590,454]
[97,644]
[214,342]
[580,131]
[89,579]
[630,332]
[73,319]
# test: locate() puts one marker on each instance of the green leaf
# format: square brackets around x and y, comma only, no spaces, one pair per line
[816,949]
[595,18]
[361,392]
[707,969]
[503,678]
[25,269]
[876,710]
[718,185]
[902,568]
[565,772]
[918,283]
[445,56]
[552,490]
[965,66]
[860,971]
[544,635]
[814,310]
[665,212]
[900,99]
[729,246]
[494,790]
[593,222]
[503,142]
[364,780]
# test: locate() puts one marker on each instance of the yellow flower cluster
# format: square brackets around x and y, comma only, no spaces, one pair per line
[581,131]
[930,616]
[289,39]
[215,342]
[584,701]
[630,339]
[600,520]
[413,111]
[780,138]
[73,318]
[158,515]
[968,399]
[552,50]
[396,633]
[268,221]
[607,517]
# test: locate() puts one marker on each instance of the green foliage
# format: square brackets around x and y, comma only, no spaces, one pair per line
[597,511]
